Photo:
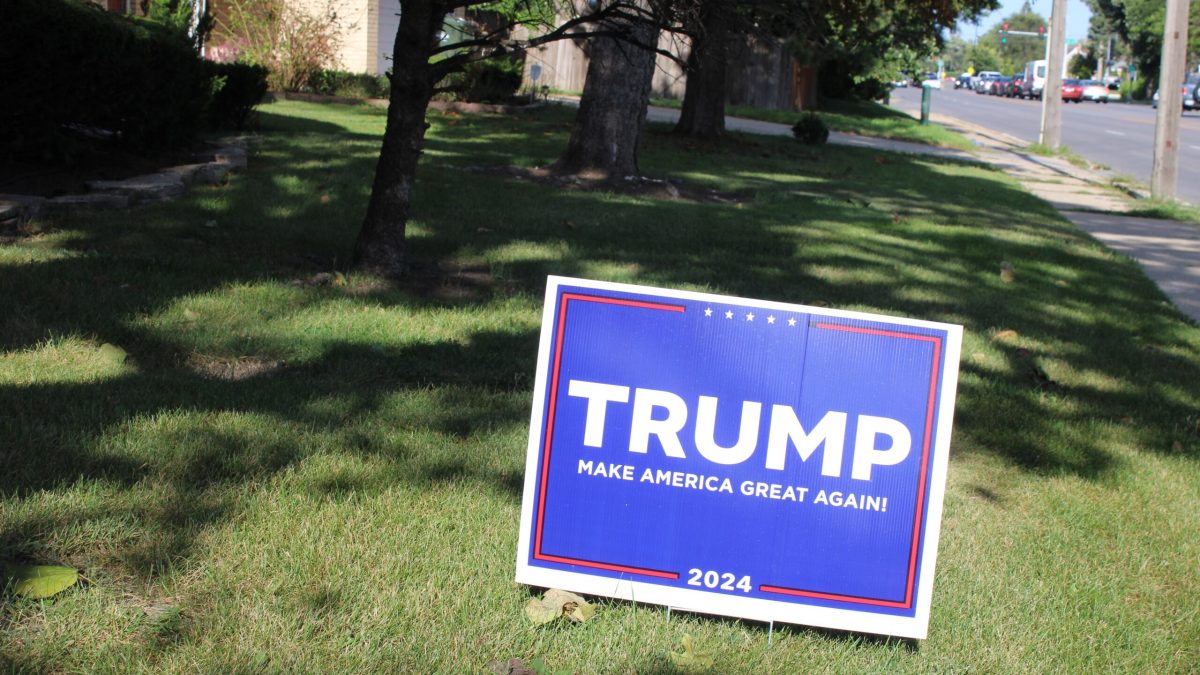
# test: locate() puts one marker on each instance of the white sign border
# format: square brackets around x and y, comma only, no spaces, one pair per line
[709,602]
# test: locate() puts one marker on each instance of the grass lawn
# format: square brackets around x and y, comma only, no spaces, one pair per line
[260,472]
[864,118]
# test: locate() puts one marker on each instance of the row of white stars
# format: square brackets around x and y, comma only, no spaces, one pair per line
[750,316]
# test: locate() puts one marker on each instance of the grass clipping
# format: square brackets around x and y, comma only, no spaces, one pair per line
[555,604]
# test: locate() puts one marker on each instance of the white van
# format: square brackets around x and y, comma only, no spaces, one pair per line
[1035,79]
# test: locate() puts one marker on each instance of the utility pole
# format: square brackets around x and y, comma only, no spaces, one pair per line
[1164,177]
[1051,131]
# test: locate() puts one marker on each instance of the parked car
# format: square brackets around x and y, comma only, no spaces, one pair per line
[1095,91]
[998,86]
[1072,91]
[1189,89]
[983,80]
[1014,87]
[963,81]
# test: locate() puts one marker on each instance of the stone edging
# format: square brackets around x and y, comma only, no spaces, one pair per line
[231,154]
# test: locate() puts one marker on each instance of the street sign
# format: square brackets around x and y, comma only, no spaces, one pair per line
[738,457]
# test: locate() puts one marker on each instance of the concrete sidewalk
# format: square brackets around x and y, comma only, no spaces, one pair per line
[1168,251]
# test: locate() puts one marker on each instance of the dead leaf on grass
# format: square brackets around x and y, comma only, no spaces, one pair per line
[689,658]
[557,603]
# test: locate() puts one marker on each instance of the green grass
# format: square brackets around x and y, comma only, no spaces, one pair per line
[1063,152]
[271,475]
[864,118]
[1168,210]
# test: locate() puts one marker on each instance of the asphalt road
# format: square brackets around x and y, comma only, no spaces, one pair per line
[1117,135]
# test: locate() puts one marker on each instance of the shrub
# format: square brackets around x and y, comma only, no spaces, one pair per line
[1136,89]
[352,85]
[294,44]
[76,73]
[811,130]
[488,81]
[236,89]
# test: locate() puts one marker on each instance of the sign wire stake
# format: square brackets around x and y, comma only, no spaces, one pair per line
[770,633]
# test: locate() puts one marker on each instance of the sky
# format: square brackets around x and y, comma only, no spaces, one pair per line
[1077,17]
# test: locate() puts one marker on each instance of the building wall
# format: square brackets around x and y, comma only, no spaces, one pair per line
[355,18]
[387,22]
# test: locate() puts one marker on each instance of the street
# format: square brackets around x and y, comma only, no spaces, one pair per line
[1117,135]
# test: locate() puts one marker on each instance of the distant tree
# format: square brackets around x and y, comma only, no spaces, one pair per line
[983,57]
[954,54]
[1083,66]
[1139,23]
[1019,49]
[854,41]
[857,45]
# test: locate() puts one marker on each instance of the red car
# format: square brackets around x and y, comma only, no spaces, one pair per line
[1072,90]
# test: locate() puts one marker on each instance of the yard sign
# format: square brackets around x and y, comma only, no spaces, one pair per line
[738,457]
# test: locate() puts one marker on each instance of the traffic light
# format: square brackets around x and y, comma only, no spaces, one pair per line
[1004,34]
[1041,31]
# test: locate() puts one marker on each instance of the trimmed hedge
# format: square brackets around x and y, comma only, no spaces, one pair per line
[75,74]
[238,87]
[351,85]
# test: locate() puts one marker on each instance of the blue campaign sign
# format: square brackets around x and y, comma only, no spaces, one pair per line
[738,457]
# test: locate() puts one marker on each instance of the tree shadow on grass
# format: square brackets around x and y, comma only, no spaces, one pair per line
[190,444]
[931,252]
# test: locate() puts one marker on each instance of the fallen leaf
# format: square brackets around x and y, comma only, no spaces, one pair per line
[1007,275]
[112,352]
[39,581]
[556,603]
[1005,335]
[689,657]
[541,612]
[339,280]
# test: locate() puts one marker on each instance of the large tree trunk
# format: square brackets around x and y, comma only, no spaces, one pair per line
[380,246]
[612,111]
[703,113]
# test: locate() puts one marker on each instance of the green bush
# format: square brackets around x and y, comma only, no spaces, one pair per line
[74,73]
[236,89]
[488,81]
[811,130]
[1136,89]
[351,85]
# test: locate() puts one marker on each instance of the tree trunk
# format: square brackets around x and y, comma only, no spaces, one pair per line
[612,111]
[380,246]
[703,113]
